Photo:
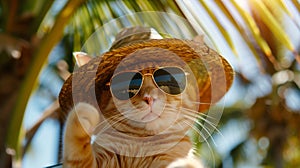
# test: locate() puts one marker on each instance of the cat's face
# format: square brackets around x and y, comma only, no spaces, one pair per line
[153,109]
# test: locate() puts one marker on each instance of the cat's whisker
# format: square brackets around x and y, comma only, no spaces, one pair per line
[169,106]
[206,120]
[200,103]
[206,141]
[213,125]
[110,118]
[195,118]
[202,118]
[116,120]
[171,109]
[202,126]
[210,124]
[197,112]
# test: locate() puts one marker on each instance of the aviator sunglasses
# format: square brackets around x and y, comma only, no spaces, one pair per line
[126,85]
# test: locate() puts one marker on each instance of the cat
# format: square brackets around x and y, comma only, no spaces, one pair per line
[148,128]
[83,119]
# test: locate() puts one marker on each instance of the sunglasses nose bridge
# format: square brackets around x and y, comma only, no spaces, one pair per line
[148,80]
[148,85]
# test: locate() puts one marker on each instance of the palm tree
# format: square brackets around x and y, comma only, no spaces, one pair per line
[258,37]
[25,53]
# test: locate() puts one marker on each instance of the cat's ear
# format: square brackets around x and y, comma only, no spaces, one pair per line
[81,58]
[199,39]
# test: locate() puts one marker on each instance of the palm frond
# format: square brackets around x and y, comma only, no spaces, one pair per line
[121,14]
[274,26]
[38,61]
[218,23]
[224,9]
[296,4]
[250,22]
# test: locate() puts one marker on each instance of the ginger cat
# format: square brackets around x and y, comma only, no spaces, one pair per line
[150,113]
[133,107]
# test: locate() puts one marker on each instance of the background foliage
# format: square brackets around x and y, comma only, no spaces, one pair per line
[260,38]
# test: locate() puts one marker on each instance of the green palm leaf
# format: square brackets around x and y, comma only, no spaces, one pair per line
[273,25]
[40,57]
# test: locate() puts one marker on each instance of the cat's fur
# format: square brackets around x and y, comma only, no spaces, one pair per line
[169,147]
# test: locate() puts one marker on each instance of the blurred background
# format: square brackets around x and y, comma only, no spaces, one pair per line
[260,38]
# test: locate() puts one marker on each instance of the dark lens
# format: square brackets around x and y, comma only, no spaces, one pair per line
[125,85]
[171,80]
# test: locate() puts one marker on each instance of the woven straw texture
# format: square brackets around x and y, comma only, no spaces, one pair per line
[213,73]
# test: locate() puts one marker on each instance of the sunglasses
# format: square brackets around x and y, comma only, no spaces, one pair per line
[170,80]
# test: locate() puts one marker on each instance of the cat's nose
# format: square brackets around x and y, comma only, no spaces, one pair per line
[148,99]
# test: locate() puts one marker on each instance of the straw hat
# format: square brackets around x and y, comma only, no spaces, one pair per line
[213,73]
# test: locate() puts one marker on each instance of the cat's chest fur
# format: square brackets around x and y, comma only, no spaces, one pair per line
[144,156]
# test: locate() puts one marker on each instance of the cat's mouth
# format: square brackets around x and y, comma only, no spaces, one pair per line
[150,116]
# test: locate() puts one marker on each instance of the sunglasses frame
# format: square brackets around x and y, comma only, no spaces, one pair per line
[152,77]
